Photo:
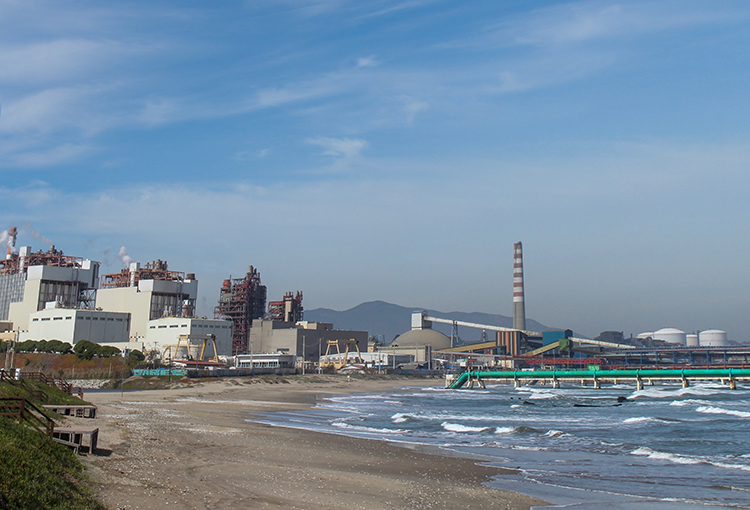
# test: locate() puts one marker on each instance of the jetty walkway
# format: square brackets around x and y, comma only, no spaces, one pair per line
[595,378]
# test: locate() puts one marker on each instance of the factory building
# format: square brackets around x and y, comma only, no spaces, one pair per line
[166,331]
[29,280]
[243,300]
[72,325]
[148,293]
[303,338]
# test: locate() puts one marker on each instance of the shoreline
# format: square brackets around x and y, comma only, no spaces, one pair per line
[196,448]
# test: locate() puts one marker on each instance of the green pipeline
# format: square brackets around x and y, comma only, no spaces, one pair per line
[716,373]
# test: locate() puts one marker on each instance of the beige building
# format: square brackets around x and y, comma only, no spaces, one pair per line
[40,284]
[148,293]
[301,338]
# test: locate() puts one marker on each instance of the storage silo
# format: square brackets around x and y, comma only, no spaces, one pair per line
[692,340]
[645,335]
[671,336]
[713,338]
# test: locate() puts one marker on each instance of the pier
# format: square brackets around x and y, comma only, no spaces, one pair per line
[595,378]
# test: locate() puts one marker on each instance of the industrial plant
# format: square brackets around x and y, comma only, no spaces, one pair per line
[152,308]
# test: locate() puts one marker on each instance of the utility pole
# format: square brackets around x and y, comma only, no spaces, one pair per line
[303,354]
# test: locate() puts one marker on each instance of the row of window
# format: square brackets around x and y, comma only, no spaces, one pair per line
[164,326]
[36,319]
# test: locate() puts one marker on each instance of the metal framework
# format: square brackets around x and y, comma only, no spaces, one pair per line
[288,310]
[156,270]
[241,301]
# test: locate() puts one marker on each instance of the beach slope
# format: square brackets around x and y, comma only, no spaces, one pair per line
[197,448]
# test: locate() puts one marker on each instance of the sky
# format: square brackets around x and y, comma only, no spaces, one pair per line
[394,150]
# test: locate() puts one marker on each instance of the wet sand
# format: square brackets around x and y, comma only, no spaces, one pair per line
[194,448]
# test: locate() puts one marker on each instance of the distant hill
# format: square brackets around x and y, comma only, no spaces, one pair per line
[389,320]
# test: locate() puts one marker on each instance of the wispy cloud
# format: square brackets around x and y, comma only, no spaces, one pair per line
[370,61]
[340,147]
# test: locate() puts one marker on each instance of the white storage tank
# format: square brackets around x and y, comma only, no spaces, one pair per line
[671,336]
[713,338]
[692,340]
[645,335]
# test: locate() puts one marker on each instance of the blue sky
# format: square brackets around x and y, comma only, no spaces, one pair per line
[395,150]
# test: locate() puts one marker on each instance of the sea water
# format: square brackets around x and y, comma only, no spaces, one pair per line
[663,447]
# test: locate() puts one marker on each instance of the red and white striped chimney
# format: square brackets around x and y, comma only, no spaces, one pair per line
[519,303]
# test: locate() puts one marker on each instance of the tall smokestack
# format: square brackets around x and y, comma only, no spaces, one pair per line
[519,303]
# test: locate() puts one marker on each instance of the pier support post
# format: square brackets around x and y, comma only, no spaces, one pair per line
[583,382]
[597,384]
[555,383]
[639,384]
[685,383]
[732,384]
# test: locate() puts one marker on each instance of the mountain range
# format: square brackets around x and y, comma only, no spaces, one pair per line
[379,318]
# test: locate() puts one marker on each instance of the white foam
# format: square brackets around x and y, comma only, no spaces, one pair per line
[349,426]
[504,430]
[554,433]
[685,459]
[457,427]
[400,417]
[720,410]
[645,419]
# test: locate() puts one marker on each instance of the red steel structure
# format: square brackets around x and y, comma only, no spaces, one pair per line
[241,301]
[288,310]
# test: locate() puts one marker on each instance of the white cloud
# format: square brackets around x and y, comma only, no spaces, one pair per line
[412,107]
[340,147]
[40,158]
[367,61]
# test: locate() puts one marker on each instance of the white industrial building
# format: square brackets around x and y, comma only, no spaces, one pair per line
[165,332]
[72,325]
[29,288]
[148,293]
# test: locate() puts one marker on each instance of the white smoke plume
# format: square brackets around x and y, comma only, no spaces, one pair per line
[4,238]
[124,257]
[36,235]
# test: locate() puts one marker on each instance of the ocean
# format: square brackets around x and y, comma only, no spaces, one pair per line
[664,447]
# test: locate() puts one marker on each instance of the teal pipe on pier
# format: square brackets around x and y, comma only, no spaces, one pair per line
[716,373]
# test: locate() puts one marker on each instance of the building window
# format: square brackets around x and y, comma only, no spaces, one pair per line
[94,318]
[119,320]
[79,318]
[36,320]
[45,318]
[68,318]
[56,318]
[184,326]
[110,319]
[88,318]
[160,327]
[174,326]
[152,327]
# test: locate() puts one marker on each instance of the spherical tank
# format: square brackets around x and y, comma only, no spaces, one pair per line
[713,338]
[692,340]
[671,336]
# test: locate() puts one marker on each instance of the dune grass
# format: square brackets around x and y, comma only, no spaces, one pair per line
[37,473]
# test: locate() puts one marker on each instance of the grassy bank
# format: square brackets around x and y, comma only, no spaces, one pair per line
[37,473]
[70,366]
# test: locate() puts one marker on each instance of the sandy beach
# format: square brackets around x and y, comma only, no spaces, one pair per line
[195,448]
